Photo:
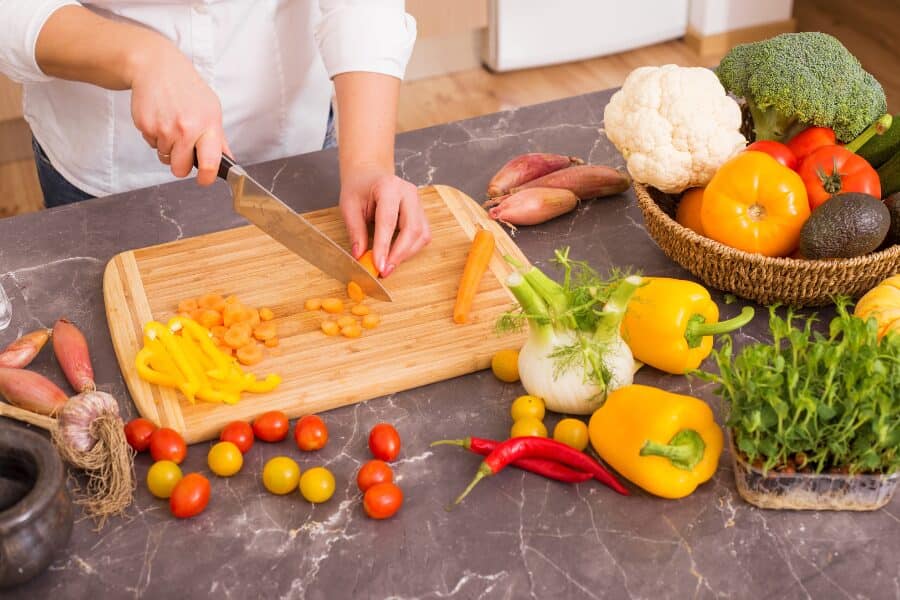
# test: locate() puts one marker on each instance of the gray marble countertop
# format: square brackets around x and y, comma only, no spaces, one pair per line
[517,535]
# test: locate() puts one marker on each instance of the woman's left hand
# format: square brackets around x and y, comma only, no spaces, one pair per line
[392,203]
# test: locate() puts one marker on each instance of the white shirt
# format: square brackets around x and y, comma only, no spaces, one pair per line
[269,61]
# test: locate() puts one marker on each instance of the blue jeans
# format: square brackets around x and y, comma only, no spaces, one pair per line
[58,191]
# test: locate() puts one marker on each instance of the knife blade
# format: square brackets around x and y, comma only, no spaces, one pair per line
[280,222]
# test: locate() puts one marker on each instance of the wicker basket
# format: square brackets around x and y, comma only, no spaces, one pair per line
[797,282]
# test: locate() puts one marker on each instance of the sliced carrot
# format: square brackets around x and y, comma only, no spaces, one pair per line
[213,301]
[236,337]
[188,305]
[271,342]
[330,328]
[195,314]
[210,318]
[360,310]
[250,354]
[370,321]
[232,299]
[232,313]
[480,253]
[346,321]
[252,316]
[351,331]
[313,304]
[218,331]
[264,331]
[332,305]
[355,292]
[367,260]
[266,314]
[184,315]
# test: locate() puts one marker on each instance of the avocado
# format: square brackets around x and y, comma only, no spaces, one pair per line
[893,205]
[846,225]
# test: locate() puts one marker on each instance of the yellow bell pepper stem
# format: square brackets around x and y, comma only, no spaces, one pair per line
[666,443]
[669,324]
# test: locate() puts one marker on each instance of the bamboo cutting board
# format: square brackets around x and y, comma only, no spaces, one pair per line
[417,342]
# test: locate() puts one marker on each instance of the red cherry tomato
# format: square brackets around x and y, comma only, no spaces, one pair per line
[832,170]
[384,442]
[238,433]
[809,140]
[382,500]
[776,150]
[167,444]
[310,433]
[372,473]
[138,432]
[190,496]
[271,426]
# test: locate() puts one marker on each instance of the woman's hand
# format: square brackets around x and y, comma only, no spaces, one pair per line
[374,195]
[176,112]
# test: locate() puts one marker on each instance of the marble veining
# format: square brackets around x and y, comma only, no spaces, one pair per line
[517,535]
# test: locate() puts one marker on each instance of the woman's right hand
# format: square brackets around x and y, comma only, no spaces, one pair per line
[177,112]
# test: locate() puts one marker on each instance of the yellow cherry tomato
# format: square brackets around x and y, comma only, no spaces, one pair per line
[527,406]
[505,365]
[528,426]
[571,432]
[280,475]
[225,459]
[162,477]
[317,484]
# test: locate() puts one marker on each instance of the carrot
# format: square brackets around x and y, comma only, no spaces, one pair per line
[351,331]
[360,310]
[250,354]
[313,304]
[232,313]
[266,314]
[330,328]
[332,305]
[476,263]
[232,299]
[211,301]
[188,305]
[355,292]
[346,321]
[210,318]
[370,321]
[368,261]
[236,337]
[264,331]
[195,314]
[251,315]
[271,342]
[218,331]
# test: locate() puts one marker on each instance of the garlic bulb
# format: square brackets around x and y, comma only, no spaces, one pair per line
[78,415]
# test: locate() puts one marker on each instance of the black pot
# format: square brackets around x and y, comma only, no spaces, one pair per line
[35,510]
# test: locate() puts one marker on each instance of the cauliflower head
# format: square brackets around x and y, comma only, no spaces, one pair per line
[674,125]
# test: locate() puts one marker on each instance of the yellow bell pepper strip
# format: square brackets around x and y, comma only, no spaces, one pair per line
[669,324]
[148,373]
[156,330]
[266,385]
[666,443]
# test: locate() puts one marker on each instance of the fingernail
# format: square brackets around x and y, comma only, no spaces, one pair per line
[354,250]
[381,266]
[388,269]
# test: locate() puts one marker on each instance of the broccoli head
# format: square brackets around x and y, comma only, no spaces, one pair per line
[796,80]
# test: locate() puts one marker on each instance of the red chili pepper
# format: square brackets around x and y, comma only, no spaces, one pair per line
[541,466]
[537,447]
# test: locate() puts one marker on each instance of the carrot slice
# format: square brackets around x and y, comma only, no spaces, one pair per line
[313,304]
[360,310]
[332,305]
[347,321]
[218,331]
[212,301]
[271,342]
[355,292]
[367,260]
[232,299]
[266,314]
[264,331]
[252,316]
[195,314]
[232,313]
[210,318]
[236,337]
[250,354]
[188,305]
[370,321]
[480,253]
[351,331]
[330,328]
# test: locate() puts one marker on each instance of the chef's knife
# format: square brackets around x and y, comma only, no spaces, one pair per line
[262,208]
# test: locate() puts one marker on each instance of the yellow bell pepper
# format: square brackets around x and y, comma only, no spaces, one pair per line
[666,443]
[143,363]
[669,324]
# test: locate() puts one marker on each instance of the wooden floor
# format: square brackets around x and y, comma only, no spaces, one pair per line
[866,27]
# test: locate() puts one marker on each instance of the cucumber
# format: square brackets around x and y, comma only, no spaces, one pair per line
[889,174]
[882,147]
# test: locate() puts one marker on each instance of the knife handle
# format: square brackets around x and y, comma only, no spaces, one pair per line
[225,165]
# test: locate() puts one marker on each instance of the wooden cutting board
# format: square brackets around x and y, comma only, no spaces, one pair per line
[417,342]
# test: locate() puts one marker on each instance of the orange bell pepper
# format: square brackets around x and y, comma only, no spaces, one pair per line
[688,213]
[755,204]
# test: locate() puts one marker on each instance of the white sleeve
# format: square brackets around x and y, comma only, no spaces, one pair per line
[22,22]
[365,35]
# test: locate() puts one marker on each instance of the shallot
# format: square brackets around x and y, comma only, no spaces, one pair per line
[526,167]
[71,351]
[532,206]
[21,352]
[31,391]
[585,181]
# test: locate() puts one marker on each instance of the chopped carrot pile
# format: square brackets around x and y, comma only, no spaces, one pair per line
[238,330]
